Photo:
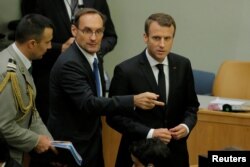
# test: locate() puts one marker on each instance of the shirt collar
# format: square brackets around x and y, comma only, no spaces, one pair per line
[89,57]
[24,59]
[154,62]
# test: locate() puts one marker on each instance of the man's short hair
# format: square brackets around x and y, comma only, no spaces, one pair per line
[162,19]
[84,11]
[150,151]
[32,26]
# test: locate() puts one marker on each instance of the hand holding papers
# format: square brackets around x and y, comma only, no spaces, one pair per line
[66,147]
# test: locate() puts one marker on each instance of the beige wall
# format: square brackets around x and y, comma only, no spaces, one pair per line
[208,31]
[9,10]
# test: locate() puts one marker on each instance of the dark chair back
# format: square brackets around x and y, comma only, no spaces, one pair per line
[203,81]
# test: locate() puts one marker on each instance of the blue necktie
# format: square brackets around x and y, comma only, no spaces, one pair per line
[97,78]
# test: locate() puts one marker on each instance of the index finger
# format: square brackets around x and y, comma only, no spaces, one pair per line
[158,103]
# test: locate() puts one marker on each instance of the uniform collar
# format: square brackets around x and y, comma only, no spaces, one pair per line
[24,59]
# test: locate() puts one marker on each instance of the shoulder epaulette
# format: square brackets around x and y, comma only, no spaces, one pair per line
[11,66]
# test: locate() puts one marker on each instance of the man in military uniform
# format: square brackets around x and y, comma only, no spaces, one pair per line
[20,122]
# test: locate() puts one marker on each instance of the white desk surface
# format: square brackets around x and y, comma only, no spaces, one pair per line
[205,100]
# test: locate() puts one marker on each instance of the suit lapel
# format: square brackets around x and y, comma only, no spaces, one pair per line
[82,58]
[86,65]
[147,72]
[172,74]
[89,3]
[100,64]
[63,13]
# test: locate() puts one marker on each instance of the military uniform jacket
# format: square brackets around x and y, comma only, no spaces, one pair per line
[20,134]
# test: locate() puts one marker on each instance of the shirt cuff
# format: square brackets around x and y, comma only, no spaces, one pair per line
[150,134]
[186,128]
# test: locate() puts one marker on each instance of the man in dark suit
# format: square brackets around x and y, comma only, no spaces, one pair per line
[172,123]
[61,13]
[77,98]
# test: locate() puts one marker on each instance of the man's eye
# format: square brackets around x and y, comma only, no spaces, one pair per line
[156,38]
[88,31]
[98,32]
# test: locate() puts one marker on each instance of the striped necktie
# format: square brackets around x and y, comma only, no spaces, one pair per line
[74,8]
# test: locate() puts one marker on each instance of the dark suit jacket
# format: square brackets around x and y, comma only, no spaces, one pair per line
[56,11]
[12,163]
[75,109]
[27,6]
[135,76]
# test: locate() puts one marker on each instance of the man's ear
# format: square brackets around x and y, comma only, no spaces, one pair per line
[73,30]
[31,43]
[145,38]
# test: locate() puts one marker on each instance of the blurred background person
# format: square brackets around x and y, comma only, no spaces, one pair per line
[149,153]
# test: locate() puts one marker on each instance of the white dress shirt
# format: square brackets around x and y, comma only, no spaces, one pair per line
[90,59]
[155,70]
